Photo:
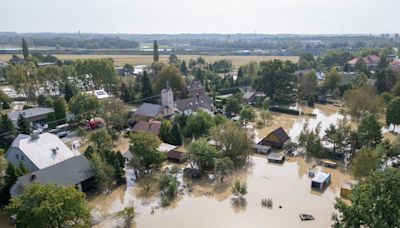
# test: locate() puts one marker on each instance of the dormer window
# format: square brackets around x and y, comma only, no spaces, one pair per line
[17,156]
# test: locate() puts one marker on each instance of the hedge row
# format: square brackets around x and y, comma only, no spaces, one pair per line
[285,110]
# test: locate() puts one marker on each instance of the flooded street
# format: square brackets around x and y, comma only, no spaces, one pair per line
[287,185]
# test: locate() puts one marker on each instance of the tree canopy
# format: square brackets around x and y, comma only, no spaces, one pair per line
[375,202]
[50,206]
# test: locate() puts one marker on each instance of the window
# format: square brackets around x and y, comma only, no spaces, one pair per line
[17,156]
[22,157]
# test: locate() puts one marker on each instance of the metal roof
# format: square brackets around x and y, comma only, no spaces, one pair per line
[29,113]
[67,173]
[194,103]
[149,110]
[321,177]
[44,151]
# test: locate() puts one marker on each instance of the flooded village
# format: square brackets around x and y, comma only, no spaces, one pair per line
[309,140]
[207,202]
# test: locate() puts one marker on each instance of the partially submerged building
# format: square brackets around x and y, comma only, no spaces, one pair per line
[276,158]
[275,139]
[321,181]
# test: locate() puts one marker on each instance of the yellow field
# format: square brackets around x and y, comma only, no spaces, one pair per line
[148,59]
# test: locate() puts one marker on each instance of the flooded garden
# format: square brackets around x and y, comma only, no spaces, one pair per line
[208,203]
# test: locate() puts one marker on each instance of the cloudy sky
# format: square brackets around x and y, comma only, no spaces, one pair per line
[201,16]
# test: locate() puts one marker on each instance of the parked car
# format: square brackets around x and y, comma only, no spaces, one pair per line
[93,124]
[62,134]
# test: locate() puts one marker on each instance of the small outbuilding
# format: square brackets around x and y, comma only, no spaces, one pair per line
[275,139]
[321,181]
[260,149]
[347,188]
[329,163]
[276,158]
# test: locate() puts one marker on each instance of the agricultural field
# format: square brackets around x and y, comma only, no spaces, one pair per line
[148,59]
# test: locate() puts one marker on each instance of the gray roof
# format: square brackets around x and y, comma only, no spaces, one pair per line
[280,134]
[29,113]
[67,173]
[248,95]
[194,103]
[149,110]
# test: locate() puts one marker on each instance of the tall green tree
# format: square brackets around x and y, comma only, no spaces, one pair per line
[165,130]
[60,110]
[247,114]
[234,142]
[156,55]
[23,125]
[104,172]
[199,124]
[338,135]
[84,104]
[393,112]
[275,78]
[147,90]
[363,100]
[173,76]
[101,139]
[25,49]
[175,135]
[183,68]
[69,91]
[50,206]
[144,148]
[366,161]
[375,202]
[369,131]
[202,154]
[332,80]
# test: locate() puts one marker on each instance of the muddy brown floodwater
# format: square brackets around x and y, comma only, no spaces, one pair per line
[287,185]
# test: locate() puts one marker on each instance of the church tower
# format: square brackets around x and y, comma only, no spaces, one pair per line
[167,98]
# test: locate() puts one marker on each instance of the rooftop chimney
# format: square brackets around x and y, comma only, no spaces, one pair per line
[33,177]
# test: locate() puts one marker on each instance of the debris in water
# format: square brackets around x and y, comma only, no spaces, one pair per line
[306,217]
[266,202]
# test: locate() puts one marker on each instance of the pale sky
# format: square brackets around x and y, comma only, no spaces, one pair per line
[201,16]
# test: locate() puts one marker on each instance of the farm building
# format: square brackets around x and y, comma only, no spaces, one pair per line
[275,139]
[276,158]
[321,181]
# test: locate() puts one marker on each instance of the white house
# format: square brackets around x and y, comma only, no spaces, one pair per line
[37,152]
